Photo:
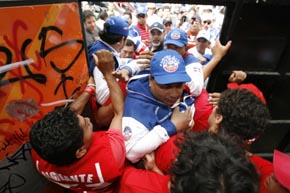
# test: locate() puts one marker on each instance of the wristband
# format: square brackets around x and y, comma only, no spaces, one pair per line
[90,90]
[91,85]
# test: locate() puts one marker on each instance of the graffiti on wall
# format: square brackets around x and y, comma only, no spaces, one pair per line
[42,65]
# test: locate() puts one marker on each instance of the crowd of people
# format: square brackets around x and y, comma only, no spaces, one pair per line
[157,129]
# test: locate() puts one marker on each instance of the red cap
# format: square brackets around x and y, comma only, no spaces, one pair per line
[250,87]
[281,165]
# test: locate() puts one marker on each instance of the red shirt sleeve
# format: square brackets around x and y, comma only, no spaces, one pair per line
[118,146]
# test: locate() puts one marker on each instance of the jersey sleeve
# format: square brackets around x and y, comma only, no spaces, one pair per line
[102,90]
[118,146]
[139,140]
[194,70]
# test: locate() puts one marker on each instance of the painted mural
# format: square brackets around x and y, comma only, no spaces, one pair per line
[43,64]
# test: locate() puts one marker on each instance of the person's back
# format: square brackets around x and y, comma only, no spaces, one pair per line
[112,38]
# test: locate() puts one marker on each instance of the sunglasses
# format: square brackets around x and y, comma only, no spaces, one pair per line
[208,22]
[141,15]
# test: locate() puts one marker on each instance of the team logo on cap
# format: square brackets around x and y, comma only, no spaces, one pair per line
[170,63]
[175,35]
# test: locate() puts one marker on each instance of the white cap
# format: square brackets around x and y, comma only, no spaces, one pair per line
[203,34]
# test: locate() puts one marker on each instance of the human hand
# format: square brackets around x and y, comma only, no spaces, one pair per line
[104,60]
[122,74]
[182,120]
[214,98]
[237,76]
[219,50]
[143,63]
[150,164]
[145,55]
[201,59]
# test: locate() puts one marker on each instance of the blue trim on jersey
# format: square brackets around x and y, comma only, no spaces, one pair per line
[92,49]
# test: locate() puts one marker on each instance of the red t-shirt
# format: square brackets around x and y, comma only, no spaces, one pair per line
[97,170]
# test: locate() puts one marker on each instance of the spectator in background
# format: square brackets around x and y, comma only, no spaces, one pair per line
[183,22]
[151,14]
[208,25]
[127,15]
[91,30]
[141,27]
[167,22]
[103,16]
[113,9]
[166,11]
[193,30]
[156,37]
[201,50]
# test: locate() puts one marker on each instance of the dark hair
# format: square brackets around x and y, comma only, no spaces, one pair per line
[57,136]
[130,42]
[128,13]
[245,116]
[103,15]
[110,38]
[209,163]
[86,14]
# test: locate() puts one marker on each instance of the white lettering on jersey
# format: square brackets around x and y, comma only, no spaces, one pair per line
[86,179]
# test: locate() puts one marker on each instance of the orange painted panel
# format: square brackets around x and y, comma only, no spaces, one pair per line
[43,64]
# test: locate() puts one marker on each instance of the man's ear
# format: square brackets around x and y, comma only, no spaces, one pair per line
[218,118]
[81,152]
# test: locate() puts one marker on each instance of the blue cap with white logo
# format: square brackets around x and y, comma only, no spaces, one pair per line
[167,67]
[176,37]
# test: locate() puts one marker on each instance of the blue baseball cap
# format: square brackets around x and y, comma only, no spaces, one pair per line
[117,25]
[176,37]
[167,67]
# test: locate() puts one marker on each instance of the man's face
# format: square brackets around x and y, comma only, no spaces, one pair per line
[90,24]
[167,93]
[127,52]
[87,127]
[212,121]
[201,45]
[127,17]
[195,26]
[141,18]
[168,26]
[180,50]
[156,37]
[206,24]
